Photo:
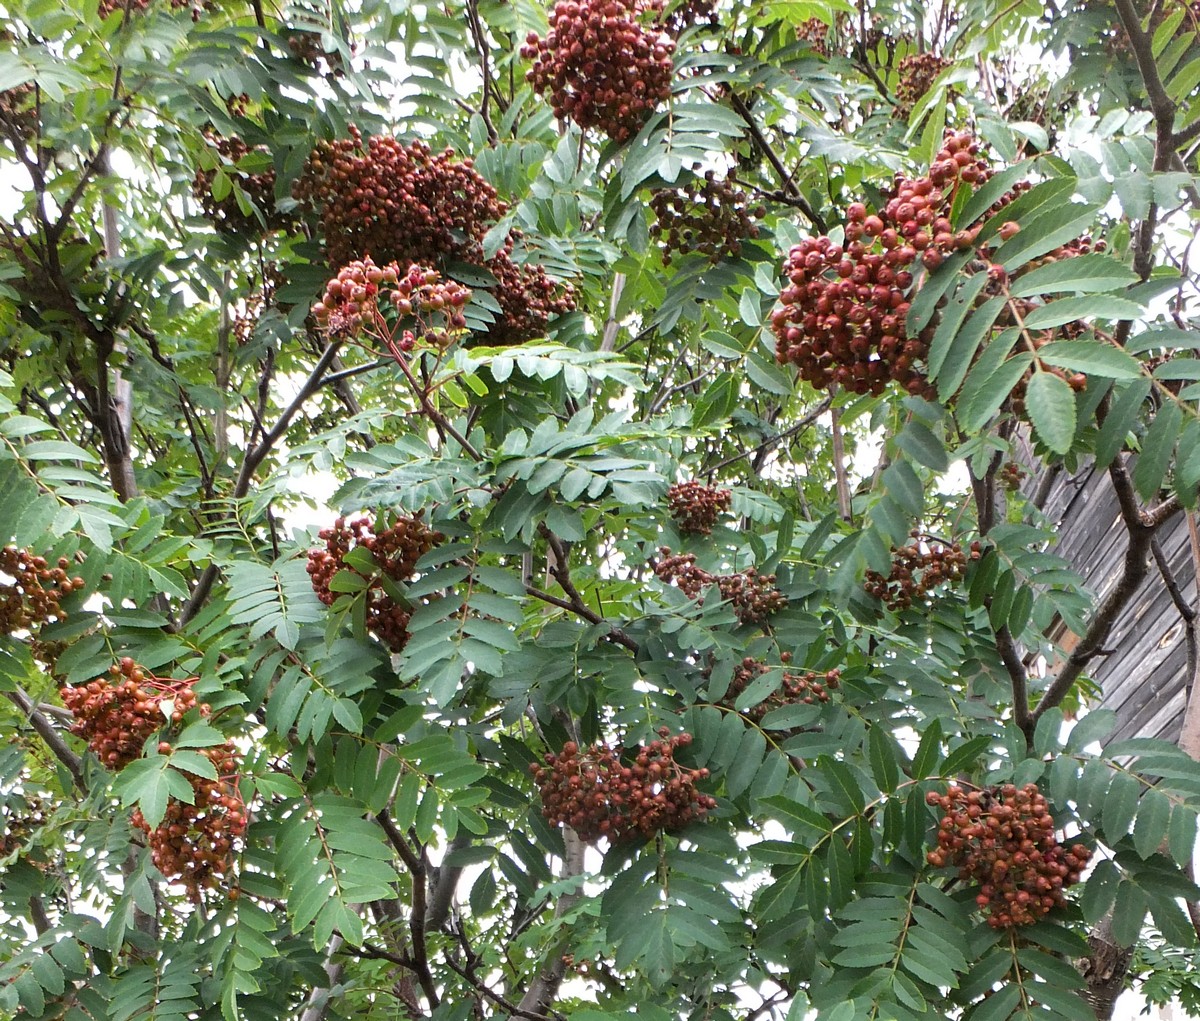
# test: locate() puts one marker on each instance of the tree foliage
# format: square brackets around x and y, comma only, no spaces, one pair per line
[435,463]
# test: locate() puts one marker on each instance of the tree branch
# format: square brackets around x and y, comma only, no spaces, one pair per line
[541,993]
[49,733]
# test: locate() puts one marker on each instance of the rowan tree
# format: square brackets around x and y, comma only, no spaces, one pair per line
[537,512]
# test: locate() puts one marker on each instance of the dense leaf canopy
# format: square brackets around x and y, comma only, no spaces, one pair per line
[539,513]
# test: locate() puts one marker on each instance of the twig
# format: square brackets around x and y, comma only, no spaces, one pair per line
[49,734]
[802,424]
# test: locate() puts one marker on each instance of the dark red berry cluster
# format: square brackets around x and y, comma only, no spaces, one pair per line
[918,72]
[197,7]
[34,595]
[711,218]
[402,203]
[305,46]
[117,714]
[395,550]
[1011,476]
[395,202]
[18,114]
[920,568]
[843,309]
[600,66]
[696,507]
[194,844]
[259,187]
[691,13]
[606,791]
[753,596]
[809,688]
[354,304]
[1003,839]
[21,816]
[817,34]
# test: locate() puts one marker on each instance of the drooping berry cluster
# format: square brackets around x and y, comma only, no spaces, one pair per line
[21,816]
[1011,476]
[395,550]
[710,218]
[817,34]
[354,303]
[35,593]
[600,66]
[18,113]
[918,72]
[306,47]
[402,203]
[689,13]
[753,596]
[606,791]
[842,314]
[194,844]
[1003,839]
[696,507]
[809,688]
[395,202]
[918,569]
[258,186]
[117,714]
[197,7]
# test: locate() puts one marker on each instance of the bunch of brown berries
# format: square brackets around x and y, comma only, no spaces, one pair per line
[403,203]
[843,308]
[259,187]
[353,302]
[695,507]
[918,72]
[194,844]
[1011,476]
[18,111]
[1003,838]
[21,816]
[809,688]
[395,549]
[600,66]
[606,791]
[920,568]
[117,714]
[35,593]
[752,596]
[711,218]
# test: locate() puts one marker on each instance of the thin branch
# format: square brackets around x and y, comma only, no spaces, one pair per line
[785,179]
[802,424]
[49,733]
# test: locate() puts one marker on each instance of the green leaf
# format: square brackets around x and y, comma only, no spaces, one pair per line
[1045,232]
[1157,448]
[1051,406]
[961,354]
[1120,804]
[1153,818]
[1092,357]
[919,442]
[1121,417]
[1084,274]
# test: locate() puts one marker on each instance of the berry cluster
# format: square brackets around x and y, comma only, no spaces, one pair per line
[116,715]
[395,550]
[527,297]
[598,795]
[1003,838]
[817,34]
[701,13]
[696,507]
[918,72]
[35,593]
[352,303]
[403,203]
[809,688]
[18,113]
[197,7]
[842,314]
[753,596]
[393,201]
[306,47]
[1011,476]
[224,213]
[710,218]
[194,844]
[20,817]
[918,569]
[600,66]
